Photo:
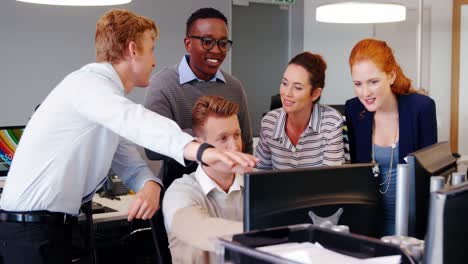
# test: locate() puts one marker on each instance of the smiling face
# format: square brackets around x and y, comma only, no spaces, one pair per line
[205,63]
[371,85]
[296,91]
[143,60]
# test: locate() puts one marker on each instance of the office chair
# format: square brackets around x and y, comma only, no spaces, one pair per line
[170,171]
[83,240]
[275,102]
[339,108]
[134,243]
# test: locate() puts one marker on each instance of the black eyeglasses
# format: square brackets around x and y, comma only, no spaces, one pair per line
[208,43]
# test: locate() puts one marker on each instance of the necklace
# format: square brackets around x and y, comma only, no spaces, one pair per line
[376,169]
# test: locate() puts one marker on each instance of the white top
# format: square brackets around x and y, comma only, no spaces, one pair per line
[199,190]
[79,131]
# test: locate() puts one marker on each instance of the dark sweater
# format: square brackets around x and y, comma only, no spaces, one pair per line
[167,97]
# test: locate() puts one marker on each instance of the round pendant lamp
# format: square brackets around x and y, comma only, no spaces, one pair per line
[78,2]
[360,13]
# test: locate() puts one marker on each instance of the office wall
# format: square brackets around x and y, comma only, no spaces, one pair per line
[260,53]
[277,30]
[441,62]
[335,43]
[41,44]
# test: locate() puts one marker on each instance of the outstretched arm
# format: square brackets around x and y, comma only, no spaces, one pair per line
[233,161]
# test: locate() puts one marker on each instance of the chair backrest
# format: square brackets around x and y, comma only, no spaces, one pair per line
[170,170]
[162,255]
[275,102]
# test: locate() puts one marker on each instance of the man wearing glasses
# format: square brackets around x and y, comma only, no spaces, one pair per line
[173,91]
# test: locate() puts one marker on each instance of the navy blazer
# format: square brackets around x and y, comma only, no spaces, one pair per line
[417,126]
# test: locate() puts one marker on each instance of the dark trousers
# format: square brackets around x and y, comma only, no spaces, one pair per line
[35,243]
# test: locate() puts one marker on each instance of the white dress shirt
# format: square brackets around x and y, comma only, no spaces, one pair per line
[83,127]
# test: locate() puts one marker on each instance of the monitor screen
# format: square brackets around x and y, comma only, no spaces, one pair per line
[434,160]
[286,197]
[9,138]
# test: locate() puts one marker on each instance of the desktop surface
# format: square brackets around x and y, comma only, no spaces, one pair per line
[117,208]
[104,209]
[243,247]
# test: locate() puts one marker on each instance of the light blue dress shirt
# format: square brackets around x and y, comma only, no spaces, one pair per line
[186,74]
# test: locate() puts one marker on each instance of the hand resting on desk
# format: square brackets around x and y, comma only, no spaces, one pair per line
[146,202]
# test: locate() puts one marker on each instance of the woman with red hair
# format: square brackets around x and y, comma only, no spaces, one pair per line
[387,119]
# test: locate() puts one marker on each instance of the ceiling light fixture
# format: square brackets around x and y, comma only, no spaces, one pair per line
[360,13]
[78,2]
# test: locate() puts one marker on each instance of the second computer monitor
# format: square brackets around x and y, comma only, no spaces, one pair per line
[9,139]
[434,160]
[285,197]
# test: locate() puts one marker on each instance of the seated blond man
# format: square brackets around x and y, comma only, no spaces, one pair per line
[207,203]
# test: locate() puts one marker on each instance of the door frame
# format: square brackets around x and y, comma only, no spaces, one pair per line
[455,82]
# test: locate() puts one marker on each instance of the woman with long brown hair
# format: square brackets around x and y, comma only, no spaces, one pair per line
[302,133]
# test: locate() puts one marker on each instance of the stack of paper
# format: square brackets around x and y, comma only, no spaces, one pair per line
[311,253]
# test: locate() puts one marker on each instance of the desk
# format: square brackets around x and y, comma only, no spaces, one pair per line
[120,206]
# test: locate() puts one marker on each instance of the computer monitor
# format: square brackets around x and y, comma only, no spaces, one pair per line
[285,197]
[447,233]
[9,138]
[434,160]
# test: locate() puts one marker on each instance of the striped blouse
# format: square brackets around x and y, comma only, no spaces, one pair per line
[320,144]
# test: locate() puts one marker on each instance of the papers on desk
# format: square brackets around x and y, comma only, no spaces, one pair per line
[314,253]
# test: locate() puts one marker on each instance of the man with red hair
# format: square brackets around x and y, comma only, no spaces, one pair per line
[208,202]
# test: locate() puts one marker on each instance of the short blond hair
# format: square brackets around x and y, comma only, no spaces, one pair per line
[115,29]
[207,106]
